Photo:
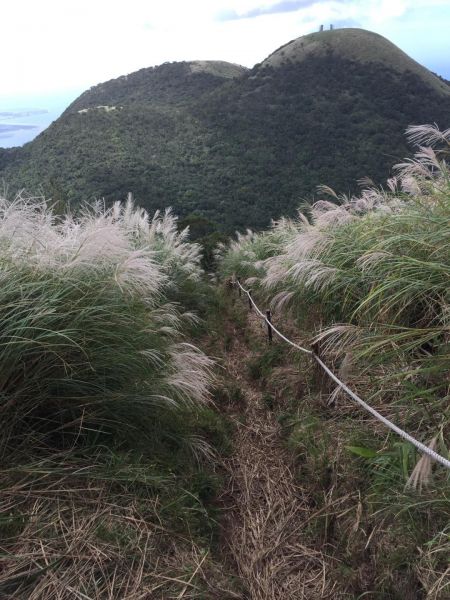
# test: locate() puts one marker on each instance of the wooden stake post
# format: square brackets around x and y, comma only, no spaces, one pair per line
[269,328]
[322,381]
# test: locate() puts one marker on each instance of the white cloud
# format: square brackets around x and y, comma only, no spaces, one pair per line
[56,44]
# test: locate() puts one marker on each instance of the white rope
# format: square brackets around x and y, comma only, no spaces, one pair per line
[422,447]
[273,326]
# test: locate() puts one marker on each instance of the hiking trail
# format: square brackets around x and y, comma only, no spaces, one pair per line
[266,509]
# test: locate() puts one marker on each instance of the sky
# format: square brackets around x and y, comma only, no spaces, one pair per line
[58,48]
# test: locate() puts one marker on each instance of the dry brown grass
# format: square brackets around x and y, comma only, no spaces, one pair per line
[266,508]
[72,539]
[335,521]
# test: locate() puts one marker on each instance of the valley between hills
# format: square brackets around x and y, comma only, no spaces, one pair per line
[232,145]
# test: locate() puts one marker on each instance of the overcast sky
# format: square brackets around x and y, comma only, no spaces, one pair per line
[51,46]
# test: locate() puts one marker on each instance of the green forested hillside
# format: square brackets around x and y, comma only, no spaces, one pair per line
[237,146]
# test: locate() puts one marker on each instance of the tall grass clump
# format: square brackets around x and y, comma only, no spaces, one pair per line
[246,254]
[101,399]
[90,343]
[368,277]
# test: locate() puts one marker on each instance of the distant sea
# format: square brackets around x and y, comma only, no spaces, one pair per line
[23,118]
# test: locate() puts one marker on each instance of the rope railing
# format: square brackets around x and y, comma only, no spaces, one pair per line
[406,436]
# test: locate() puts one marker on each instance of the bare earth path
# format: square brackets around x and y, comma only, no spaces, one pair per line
[266,508]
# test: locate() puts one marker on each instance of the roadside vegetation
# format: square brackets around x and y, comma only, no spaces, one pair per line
[367,279]
[119,478]
[107,434]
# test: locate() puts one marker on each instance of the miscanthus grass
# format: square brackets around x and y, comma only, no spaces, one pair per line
[375,268]
[88,339]
[368,277]
[101,394]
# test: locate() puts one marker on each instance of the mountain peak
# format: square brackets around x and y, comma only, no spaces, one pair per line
[167,84]
[353,44]
[237,146]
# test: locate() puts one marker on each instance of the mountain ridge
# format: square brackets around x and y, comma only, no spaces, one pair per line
[171,82]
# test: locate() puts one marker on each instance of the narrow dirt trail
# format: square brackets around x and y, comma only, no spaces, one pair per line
[265,507]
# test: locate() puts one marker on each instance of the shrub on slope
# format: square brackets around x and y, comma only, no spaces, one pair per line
[369,277]
[88,337]
[103,401]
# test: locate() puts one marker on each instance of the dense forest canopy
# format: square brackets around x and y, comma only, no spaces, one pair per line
[237,146]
